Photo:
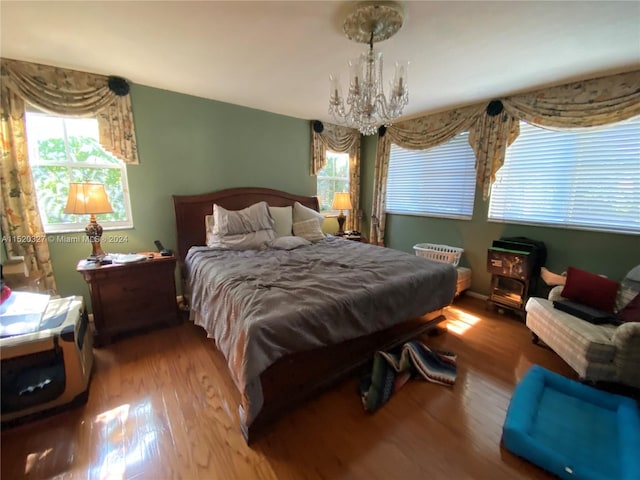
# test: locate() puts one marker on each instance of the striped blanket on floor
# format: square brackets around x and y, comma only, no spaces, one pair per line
[392,370]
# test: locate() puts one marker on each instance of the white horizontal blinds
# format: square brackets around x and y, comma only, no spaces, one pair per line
[587,179]
[438,182]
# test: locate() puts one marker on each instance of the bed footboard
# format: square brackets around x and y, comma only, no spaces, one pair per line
[298,377]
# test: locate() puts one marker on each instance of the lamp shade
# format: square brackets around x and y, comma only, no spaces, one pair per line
[87,199]
[342,201]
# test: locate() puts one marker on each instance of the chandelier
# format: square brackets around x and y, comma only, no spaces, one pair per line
[366,107]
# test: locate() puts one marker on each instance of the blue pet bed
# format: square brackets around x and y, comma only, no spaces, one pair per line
[573,430]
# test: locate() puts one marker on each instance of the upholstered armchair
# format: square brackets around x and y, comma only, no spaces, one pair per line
[597,352]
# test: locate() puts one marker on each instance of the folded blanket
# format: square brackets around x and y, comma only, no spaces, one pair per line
[392,370]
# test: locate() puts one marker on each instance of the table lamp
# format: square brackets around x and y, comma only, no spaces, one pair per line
[89,199]
[341,201]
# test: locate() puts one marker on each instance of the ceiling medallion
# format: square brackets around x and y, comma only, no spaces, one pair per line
[384,19]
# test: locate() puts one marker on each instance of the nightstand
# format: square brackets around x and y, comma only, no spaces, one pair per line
[354,238]
[358,238]
[127,297]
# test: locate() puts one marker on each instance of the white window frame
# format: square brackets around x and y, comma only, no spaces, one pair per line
[586,179]
[432,178]
[344,156]
[79,226]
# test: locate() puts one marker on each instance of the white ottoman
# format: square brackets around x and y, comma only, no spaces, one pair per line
[464,280]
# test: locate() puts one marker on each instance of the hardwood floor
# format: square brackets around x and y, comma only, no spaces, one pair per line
[162,406]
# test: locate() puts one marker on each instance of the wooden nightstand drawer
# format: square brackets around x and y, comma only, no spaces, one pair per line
[143,313]
[131,290]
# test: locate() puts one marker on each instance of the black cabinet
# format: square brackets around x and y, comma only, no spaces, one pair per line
[514,265]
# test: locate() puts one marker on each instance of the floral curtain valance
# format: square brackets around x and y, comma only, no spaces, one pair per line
[429,131]
[327,136]
[588,103]
[493,127]
[72,93]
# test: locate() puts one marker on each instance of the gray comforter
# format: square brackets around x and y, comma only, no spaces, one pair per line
[260,305]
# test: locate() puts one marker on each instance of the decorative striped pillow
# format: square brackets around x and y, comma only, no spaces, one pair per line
[627,292]
[629,288]
[308,229]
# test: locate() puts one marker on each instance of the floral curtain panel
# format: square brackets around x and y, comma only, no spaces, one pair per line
[495,126]
[69,92]
[379,203]
[326,136]
[117,132]
[353,220]
[489,138]
[22,229]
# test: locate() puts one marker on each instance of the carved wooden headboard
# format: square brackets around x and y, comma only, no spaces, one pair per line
[191,209]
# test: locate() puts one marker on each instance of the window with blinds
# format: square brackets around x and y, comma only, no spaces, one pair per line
[587,179]
[436,182]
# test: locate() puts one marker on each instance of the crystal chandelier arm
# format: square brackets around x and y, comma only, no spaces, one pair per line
[391,109]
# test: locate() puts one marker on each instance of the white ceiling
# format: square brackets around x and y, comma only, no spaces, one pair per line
[277,56]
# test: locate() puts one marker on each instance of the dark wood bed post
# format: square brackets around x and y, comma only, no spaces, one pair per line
[296,377]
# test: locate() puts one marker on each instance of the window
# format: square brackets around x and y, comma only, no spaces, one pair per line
[436,182]
[334,177]
[64,150]
[587,179]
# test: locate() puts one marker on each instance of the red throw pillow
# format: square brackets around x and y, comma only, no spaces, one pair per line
[631,313]
[6,292]
[590,289]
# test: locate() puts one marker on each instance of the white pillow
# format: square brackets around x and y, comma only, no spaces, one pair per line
[289,243]
[308,229]
[250,219]
[302,213]
[282,220]
[242,241]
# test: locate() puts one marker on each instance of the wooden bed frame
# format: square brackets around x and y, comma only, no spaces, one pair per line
[296,377]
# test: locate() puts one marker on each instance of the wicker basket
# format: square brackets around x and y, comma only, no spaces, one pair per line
[439,253]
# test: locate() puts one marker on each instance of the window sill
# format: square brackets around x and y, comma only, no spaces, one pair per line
[431,215]
[81,229]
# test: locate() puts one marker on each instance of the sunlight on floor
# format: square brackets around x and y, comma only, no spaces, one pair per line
[112,466]
[460,321]
[33,458]
[120,413]
[132,436]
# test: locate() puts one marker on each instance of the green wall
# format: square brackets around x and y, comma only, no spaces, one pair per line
[608,254]
[190,145]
